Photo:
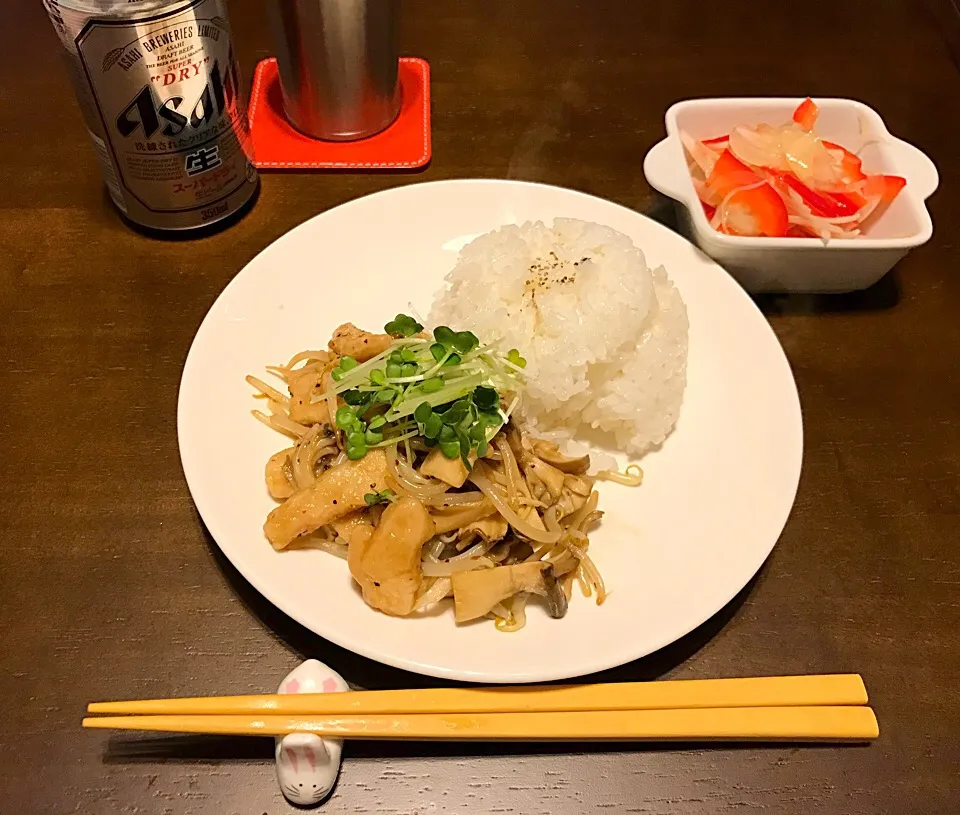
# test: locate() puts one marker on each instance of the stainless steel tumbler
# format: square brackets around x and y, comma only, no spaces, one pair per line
[338,65]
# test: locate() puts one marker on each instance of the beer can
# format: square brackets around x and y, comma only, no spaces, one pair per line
[158,84]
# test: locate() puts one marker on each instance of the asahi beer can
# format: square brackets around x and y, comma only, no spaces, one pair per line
[159,88]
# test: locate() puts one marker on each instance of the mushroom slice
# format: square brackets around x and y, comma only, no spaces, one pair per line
[575,493]
[456,517]
[451,471]
[550,453]
[476,592]
[549,476]
[489,529]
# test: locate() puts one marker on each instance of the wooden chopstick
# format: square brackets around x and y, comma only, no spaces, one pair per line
[799,723]
[773,691]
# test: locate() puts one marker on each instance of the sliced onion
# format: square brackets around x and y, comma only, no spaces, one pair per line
[725,214]
[827,228]
[810,161]
[703,156]
[870,208]
[759,149]
[705,194]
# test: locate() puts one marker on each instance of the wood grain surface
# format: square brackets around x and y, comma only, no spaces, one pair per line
[110,587]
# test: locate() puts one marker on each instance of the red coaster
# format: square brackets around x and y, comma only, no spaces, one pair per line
[277,145]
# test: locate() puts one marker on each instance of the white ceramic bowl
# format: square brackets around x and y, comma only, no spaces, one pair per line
[800,264]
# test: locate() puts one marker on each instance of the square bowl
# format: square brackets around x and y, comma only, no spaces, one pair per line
[800,264]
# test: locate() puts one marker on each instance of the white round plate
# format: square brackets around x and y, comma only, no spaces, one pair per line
[673,552]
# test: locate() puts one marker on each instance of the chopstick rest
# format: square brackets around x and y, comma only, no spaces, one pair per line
[308,765]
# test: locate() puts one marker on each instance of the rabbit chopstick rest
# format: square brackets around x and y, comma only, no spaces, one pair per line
[307,765]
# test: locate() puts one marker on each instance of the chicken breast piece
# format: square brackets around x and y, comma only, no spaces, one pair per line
[350,341]
[303,388]
[353,524]
[336,492]
[278,484]
[387,566]
[359,541]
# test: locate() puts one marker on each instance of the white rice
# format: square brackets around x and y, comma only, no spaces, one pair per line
[605,337]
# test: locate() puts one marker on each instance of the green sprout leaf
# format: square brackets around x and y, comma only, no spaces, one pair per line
[403,325]
[354,397]
[371,499]
[456,408]
[464,444]
[465,341]
[345,417]
[444,335]
[486,398]
[513,356]
[356,439]
[455,414]
[432,427]
[448,436]
[450,449]
[423,412]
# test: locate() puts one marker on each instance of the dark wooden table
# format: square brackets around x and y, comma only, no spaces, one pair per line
[111,588]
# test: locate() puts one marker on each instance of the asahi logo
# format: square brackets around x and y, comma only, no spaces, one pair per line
[171,116]
[129,55]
